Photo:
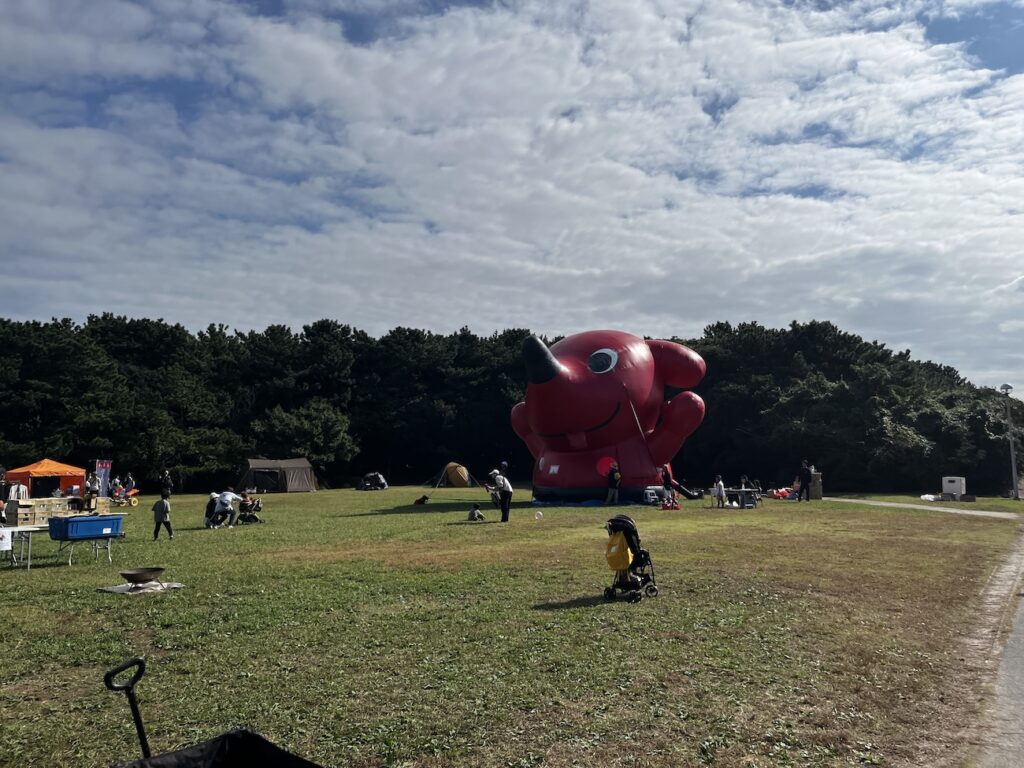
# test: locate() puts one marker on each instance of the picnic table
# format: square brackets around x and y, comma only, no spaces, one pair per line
[746,498]
[23,535]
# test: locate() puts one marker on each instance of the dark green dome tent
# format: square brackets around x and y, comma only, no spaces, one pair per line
[278,476]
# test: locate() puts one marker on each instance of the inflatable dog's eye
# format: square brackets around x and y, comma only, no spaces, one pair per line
[603,361]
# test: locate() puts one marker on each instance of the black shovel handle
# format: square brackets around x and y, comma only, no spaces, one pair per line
[129,690]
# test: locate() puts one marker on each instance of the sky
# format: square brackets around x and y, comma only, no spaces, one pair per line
[649,165]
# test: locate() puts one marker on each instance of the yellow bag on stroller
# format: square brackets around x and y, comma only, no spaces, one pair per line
[617,552]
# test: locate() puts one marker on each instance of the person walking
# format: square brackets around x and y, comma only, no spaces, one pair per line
[162,516]
[504,489]
[614,481]
[805,481]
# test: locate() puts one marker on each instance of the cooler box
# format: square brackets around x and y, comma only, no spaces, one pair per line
[85,527]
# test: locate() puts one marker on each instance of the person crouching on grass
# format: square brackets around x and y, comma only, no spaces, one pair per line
[162,515]
[211,511]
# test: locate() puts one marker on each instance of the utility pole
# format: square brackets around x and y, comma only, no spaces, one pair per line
[1006,389]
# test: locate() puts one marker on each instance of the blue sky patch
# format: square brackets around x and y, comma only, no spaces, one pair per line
[994,35]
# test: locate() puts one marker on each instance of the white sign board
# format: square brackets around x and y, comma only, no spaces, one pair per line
[5,540]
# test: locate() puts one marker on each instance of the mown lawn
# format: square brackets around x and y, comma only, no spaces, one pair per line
[357,630]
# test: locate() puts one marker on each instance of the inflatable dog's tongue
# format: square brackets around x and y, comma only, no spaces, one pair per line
[604,397]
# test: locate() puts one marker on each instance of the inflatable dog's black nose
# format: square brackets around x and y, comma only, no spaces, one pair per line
[541,365]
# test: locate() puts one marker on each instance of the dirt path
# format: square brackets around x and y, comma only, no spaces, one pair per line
[1001,742]
[932,508]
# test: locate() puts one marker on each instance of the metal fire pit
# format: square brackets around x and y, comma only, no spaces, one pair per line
[139,576]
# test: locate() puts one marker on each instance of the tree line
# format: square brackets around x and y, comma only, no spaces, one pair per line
[152,396]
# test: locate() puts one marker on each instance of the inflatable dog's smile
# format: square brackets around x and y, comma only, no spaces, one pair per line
[601,397]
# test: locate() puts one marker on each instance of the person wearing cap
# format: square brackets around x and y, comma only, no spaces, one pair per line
[504,489]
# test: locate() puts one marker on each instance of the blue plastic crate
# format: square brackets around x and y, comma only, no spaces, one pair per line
[85,527]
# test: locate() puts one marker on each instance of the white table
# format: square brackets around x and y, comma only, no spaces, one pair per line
[23,534]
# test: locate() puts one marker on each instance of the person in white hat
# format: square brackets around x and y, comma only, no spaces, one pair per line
[504,489]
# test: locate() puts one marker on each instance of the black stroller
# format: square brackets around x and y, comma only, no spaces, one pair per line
[634,571]
[239,748]
[249,509]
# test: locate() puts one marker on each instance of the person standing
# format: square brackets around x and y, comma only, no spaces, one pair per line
[614,481]
[805,481]
[162,516]
[92,490]
[719,490]
[166,484]
[669,485]
[129,483]
[504,489]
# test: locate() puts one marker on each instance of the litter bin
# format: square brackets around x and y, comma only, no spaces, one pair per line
[815,485]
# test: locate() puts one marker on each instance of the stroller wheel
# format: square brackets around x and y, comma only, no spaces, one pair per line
[651,590]
[635,597]
[609,593]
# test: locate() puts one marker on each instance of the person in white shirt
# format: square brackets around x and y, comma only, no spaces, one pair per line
[719,490]
[504,489]
[225,507]
[92,490]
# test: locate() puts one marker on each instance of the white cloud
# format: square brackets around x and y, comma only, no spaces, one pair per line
[652,165]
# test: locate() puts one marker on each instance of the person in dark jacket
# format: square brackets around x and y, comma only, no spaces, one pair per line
[166,484]
[805,481]
[211,511]
[614,480]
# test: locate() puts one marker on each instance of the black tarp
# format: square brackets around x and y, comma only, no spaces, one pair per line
[234,749]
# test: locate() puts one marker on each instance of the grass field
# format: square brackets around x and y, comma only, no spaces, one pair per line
[357,630]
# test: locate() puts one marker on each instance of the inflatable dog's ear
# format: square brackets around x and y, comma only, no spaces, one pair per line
[677,366]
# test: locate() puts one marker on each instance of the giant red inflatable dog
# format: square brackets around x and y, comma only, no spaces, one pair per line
[601,397]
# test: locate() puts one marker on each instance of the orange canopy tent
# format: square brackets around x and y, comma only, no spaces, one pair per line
[65,474]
